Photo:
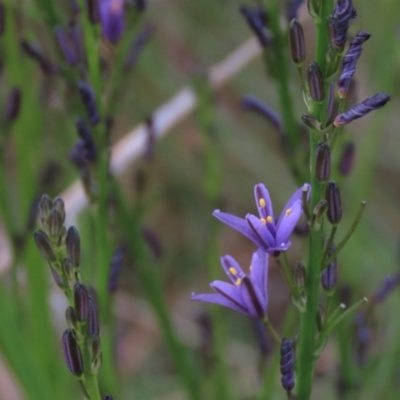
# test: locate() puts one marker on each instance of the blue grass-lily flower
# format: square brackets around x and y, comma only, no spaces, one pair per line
[248,293]
[270,236]
[112,19]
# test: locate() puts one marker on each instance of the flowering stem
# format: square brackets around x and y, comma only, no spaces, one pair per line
[272,331]
[306,358]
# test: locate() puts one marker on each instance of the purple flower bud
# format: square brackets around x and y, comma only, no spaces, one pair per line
[252,103]
[87,148]
[2,17]
[315,82]
[361,109]
[93,327]
[294,6]
[88,98]
[389,284]
[93,11]
[73,244]
[108,397]
[339,23]
[311,122]
[256,19]
[13,104]
[72,353]
[138,43]
[45,65]
[117,263]
[349,62]
[322,162]
[346,160]
[81,302]
[297,42]
[67,48]
[287,364]
[332,105]
[55,223]
[329,277]
[112,19]
[332,196]
[45,206]
[44,245]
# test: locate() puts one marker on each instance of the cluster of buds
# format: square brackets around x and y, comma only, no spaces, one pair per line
[62,250]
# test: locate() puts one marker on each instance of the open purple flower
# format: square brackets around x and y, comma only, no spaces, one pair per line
[248,294]
[268,235]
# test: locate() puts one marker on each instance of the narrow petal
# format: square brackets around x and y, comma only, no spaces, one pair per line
[252,298]
[230,292]
[232,268]
[263,201]
[264,238]
[259,272]
[239,224]
[217,298]
[297,195]
[287,222]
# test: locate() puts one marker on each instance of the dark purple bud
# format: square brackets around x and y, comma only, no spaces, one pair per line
[108,397]
[389,284]
[55,223]
[87,148]
[44,245]
[339,23]
[117,263]
[315,82]
[322,162]
[287,364]
[59,206]
[78,155]
[81,302]
[332,196]
[112,19]
[93,327]
[45,207]
[318,214]
[311,122]
[329,276]
[350,61]
[297,42]
[137,45]
[252,103]
[300,275]
[66,46]
[13,104]
[73,244]
[72,353]
[332,105]
[93,11]
[294,6]
[88,98]
[256,19]
[95,353]
[72,321]
[32,51]
[361,109]
[346,160]
[2,17]
[59,280]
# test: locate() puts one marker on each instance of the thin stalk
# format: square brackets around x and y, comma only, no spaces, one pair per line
[305,359]
[272,331]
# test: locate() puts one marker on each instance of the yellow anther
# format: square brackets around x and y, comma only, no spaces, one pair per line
[233,271]
[288,212]
[251,267]
[263,220]
[238,281]
[269,219]
[262,202]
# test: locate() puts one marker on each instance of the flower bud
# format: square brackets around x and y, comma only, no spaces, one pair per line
[55,224]
[333,198]
[287,364]
[297,43]
[58,204]
[44,245]
[93,11]
[69,271]
[322,162]
[93,318]
[346,160]
[72,353]
[88,98]
[300,275]
[59,280]
[311,122]
[108,397]
[329,277]
[95,353]
[73,245]
[65,45]
[256,19]
[81,302]
[45,206]
[13,104]
[315,81]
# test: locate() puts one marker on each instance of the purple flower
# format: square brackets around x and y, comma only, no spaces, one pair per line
[112,19]
[248,294]
[268,235]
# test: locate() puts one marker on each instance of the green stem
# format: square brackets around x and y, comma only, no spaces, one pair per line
[305,360]
[272,331]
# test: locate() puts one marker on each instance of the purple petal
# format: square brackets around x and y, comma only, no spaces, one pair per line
[259,272]
[297,195]
[287,222]
[263,201]
[230,292]
[232,268]
[263,236]
[217,298]
[238,224]
[252,298]
[112,19]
